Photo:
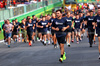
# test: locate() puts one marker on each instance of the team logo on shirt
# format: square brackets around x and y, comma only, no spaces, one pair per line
[44,23]
[77,21]
[98,20]
[68,20]
[57,23]
[34,21]
[90,19]
[52,20]
[30,24]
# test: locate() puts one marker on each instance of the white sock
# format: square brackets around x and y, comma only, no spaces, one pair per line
[44,41]
[48,41]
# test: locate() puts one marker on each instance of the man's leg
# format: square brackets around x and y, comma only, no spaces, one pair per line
[99,46]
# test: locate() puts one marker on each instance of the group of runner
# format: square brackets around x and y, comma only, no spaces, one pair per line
[62,26]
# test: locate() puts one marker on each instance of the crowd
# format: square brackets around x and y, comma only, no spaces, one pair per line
[61,26]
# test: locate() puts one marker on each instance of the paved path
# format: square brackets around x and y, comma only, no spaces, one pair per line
[21,54]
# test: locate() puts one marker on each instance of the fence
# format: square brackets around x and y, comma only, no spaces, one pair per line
[9,13]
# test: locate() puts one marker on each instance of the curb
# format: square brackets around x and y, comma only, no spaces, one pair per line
[1,41]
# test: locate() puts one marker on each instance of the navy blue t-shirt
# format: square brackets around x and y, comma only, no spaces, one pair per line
[22,25]
[90,20]
[77,23]
[51,21]
[60,23]
[30,28]
[34,22]
[97,20]
[69,21]
[43,23]
[17,23]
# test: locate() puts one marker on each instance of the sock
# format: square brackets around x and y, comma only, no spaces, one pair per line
[48,41]
[42,40]
[61,56]
[45,42]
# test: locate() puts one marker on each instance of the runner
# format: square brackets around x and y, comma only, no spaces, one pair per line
[54,40]
[5,21]
[83,25]
[14,32]
[48,30]
[77,27]
[18,30]
[24,32]
[8,32]
[60,25]
[70,22]
[97,20]
[29,27]
[39,30]
[34,21]
[44,26]
[90,23]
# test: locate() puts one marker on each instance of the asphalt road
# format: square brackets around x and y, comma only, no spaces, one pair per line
[20,54]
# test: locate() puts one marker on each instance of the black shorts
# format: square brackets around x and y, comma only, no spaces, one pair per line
[52,32]
[72,30]
[61,40]
[4,33]
[69,30]
[44,33]
[30,35]
[14,33]
[98,32]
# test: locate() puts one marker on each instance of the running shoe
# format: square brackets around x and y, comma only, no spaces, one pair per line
[99,56]
[8,46]
[94,42]
[64,56]
[80,39]
[16,40]
[90,46]
[72,41]
[55,45]
[61,60]
[44,44]
[52,43]
[48,42]
[30,44]
[6,43]
[24,41]
[68,45]
[33,41]
[77,42]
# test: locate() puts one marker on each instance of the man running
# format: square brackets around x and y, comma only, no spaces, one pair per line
[97,20]
[69,20]
[29,27]
[44,26]
[90,23]
[77,27]
[60,25]
[8,32]
[34,23]
[54,40]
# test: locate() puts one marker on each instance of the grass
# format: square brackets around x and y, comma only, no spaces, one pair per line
[1,36]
